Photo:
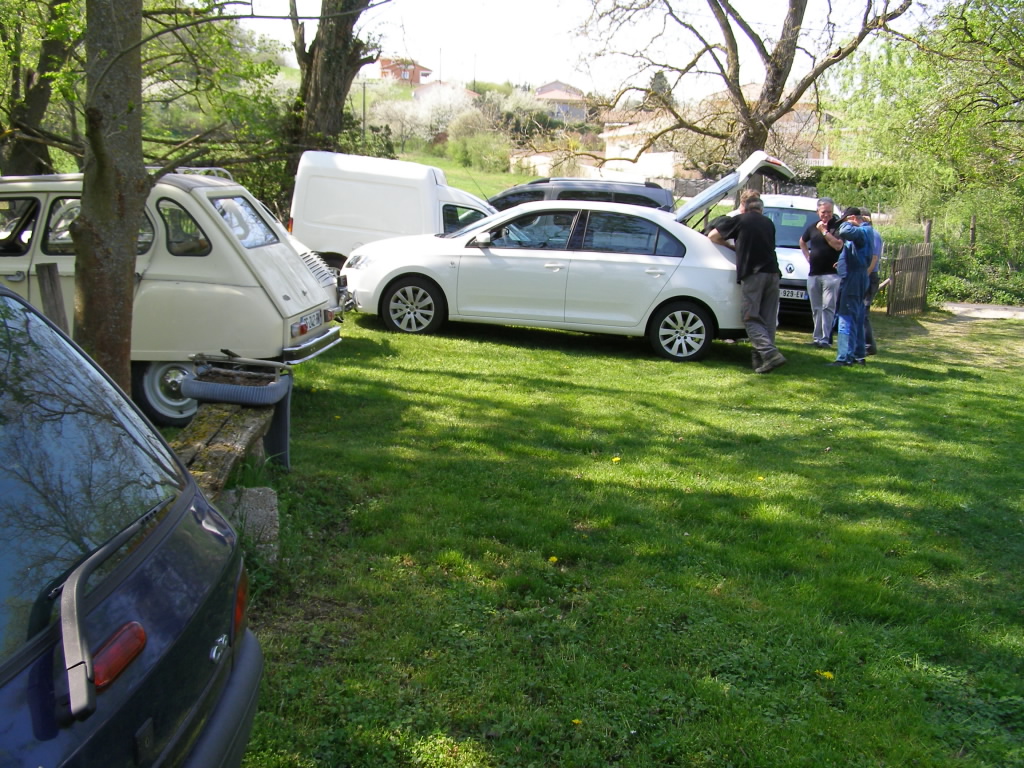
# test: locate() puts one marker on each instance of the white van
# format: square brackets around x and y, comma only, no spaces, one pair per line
[344,201]
[213,272]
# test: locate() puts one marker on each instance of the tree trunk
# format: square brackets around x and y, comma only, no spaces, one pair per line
[327,70]
[115,186]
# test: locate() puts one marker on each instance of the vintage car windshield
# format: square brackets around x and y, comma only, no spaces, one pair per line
[77,465]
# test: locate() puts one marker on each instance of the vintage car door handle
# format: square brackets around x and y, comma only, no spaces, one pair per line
[17,277]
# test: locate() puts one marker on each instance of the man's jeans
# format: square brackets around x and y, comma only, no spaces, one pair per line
[823,291]
[760,307]
[851,317]
[869,297]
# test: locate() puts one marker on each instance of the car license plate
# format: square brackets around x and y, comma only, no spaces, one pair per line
[313,320]
[789,293]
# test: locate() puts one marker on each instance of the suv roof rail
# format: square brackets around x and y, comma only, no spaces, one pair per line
[578,180]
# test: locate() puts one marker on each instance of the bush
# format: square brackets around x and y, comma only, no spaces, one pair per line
[485,151]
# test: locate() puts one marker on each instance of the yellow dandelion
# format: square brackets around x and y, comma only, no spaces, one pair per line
[824,674]
[552,559]
[577,721]
[616,460]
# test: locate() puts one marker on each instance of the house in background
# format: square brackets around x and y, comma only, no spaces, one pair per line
[798,137]
[405,71]
[563,102]
[425,92]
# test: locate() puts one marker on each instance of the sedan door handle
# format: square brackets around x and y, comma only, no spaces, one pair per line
[17,277]
[655,271]
[554,266]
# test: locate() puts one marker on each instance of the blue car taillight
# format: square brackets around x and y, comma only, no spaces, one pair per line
[117,653]
[241,617]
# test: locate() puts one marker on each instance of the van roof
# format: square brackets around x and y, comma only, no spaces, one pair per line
[361,164]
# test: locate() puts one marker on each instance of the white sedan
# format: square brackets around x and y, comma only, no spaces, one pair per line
[575,265]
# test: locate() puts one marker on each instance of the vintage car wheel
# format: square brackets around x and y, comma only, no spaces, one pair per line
[156,388]
[414,305]
[681,331]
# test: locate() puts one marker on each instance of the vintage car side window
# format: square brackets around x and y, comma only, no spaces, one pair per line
[64,211]
[18,217]
[621,233]
[184,235]
[455,217]
[244,221]
[77,465]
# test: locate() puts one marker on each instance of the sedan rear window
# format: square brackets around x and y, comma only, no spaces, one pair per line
[77,466]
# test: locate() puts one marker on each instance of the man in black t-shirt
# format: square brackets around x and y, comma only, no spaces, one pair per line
[821,248]
[757,271]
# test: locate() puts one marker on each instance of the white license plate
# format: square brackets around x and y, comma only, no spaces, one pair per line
[789,293]
[313,320]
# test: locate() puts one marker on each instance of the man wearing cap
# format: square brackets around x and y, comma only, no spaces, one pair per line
[869,297]
[853,268]
[757,271]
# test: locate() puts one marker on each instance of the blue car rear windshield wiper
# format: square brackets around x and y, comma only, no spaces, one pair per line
[77,657]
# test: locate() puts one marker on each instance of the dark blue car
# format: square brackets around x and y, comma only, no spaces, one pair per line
[123,636]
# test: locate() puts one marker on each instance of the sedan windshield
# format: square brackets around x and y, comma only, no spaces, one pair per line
[77,465]
[478,224]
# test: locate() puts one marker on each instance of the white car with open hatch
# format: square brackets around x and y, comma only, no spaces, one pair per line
[575,265]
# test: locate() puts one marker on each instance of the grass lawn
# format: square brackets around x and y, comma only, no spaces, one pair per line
[508,547]
[483,184]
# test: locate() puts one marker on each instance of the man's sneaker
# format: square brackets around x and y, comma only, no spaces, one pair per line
[771,362]
[840,363]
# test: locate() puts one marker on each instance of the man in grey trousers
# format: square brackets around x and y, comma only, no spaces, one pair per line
[757,272]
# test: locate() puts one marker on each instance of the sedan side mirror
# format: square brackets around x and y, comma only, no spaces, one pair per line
[483,239]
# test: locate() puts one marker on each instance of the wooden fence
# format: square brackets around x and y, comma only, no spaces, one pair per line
[907,283]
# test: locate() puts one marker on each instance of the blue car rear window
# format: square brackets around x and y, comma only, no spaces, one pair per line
[77,465]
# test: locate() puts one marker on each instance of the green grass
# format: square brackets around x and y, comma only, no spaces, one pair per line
[480,183]
[509,547]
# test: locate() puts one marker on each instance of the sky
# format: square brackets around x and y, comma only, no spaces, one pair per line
[463,40]
[524,41]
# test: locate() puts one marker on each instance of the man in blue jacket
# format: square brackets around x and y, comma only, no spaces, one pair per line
[869,297]
[853,268]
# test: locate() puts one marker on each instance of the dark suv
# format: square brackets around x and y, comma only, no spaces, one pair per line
[645,193]
[123,632]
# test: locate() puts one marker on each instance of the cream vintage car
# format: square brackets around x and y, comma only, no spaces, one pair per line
[214,272]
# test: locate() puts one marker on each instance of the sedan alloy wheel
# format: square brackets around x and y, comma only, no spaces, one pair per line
[681,331]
